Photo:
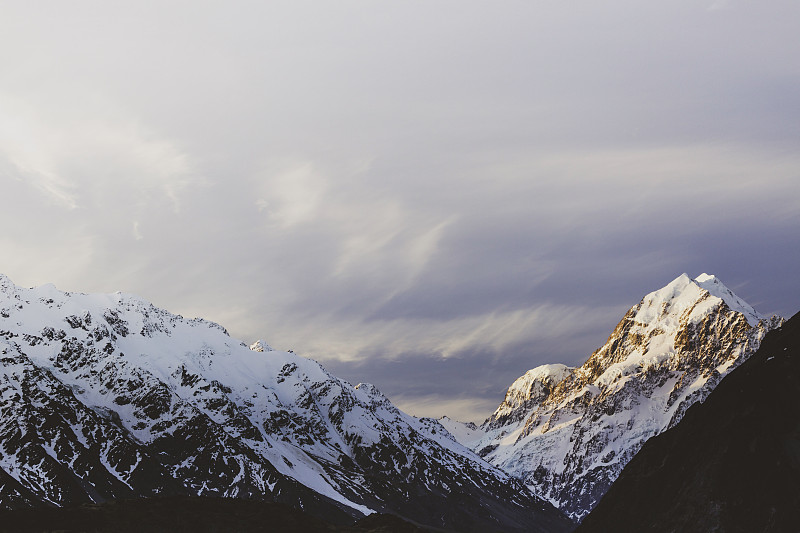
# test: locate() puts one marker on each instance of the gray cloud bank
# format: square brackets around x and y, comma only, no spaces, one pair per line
[431,196]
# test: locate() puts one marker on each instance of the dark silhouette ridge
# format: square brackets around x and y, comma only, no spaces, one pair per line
[184,514]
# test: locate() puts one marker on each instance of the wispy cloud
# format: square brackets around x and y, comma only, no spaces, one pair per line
[453,207]
[24,144]
[718,5]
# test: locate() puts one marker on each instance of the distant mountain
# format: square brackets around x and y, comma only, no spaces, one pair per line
[105,397]
[568,432]
[732,464]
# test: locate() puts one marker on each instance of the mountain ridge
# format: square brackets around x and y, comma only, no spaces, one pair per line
[732,464]
[567,432]
[108,396]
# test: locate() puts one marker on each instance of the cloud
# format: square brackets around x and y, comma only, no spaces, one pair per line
[137,234]
[719,5]
[79,163]
[24,149]
[425,202]
[493,332]
[467,409]
[291,195]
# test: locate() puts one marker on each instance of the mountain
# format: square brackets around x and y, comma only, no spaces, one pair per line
[568,432]
[732,464]
[105,397]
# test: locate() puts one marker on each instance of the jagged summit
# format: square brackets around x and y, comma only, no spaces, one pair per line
[551,371]
[730,465]
[527,392]
[714,286]
[701,294]
[261,346]
[567,432]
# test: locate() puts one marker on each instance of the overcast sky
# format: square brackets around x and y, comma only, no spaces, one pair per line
[431,196]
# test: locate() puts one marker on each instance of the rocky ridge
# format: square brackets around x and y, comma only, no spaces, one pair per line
[106,396]
[731,465]
[568,432]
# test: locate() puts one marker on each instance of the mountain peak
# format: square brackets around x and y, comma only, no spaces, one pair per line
[739,449]
[527,392]
[541,378]
[693,299]
[261,346]
[705,277]
[5,283]
[568,432]
[716,288]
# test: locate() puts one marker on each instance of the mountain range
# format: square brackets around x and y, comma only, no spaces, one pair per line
[106,397]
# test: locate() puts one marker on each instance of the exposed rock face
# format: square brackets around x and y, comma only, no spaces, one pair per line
[568,433]
[527,393]
[106,396]
[732,464]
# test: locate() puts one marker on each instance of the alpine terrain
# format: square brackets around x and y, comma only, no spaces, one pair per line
[732,464]
[568,432]
[105,397]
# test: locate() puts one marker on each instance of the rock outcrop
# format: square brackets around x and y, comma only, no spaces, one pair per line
[568,432]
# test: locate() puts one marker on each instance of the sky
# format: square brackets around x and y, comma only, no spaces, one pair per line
[430,196]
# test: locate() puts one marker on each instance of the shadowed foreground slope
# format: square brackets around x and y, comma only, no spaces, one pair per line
[733,462]
[188,515]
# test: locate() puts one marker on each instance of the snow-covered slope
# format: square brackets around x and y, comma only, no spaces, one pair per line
[106,396]
[567,432]
[463,432]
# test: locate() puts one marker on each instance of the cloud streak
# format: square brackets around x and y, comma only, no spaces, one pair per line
[430,197]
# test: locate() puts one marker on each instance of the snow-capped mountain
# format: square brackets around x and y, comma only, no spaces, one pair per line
[107,396]
[733,462]
[567,432]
